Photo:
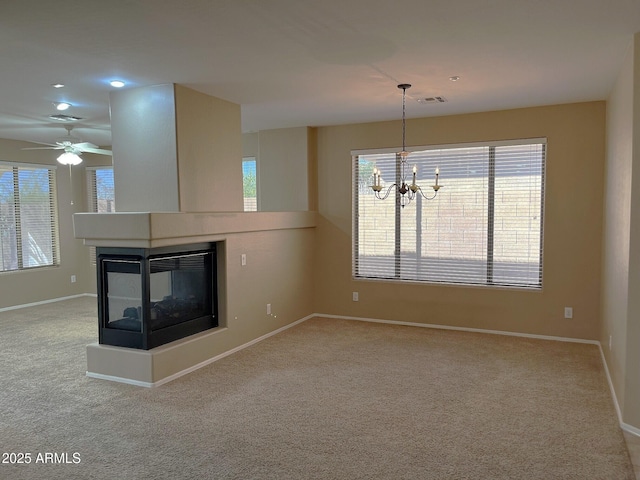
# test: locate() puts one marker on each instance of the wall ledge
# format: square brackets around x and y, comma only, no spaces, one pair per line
[160,229]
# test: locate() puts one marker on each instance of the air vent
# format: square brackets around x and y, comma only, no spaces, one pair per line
[60,117]
[432,100]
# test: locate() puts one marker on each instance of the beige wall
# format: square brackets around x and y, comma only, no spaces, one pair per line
[631,412]
[617,224]
[277,272]
[624,150]
[209,153]
[286,167]
[143,126]
[175,150]
[573,222]
[40,284]
[620,326]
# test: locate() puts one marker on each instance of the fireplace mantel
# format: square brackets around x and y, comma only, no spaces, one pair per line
[161,229]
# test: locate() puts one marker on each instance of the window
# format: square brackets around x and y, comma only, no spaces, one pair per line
[100,188]
[485,227]
[250,184]
[28,217]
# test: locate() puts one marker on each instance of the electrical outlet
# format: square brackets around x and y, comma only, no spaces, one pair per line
[73,279]
[355,296]
[268,309]
[568,312]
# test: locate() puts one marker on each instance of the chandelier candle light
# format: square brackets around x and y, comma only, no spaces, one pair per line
[406,192]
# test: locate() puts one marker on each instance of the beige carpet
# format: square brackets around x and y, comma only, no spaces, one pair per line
[327,399]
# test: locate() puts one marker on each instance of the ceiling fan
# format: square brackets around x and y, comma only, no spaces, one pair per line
[72,147]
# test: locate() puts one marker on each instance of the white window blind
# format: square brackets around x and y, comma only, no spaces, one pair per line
[28,217]
[485,227]
[100,189]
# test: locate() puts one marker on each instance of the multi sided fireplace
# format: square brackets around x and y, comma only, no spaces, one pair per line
[149,297]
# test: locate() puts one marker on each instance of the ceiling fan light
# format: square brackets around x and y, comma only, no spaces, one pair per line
[61,117]
[69,158]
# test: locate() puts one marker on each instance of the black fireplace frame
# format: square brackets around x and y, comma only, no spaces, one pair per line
[150,338]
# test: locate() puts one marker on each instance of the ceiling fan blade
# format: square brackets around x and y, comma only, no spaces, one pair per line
[99,151]
[43,148]
[46,143]
[90,148]
[83,145]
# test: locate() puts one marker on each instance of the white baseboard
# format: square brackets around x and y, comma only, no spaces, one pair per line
[625,426]
[611,389]
[111,378]
[461,329]
[630,429]
[43,302]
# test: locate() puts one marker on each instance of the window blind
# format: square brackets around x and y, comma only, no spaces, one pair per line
[101,197]
[485,227]
[28,217]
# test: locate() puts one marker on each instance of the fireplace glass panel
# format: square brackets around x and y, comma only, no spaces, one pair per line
[124,295]
[178,289]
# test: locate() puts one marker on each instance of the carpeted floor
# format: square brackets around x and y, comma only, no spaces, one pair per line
[327,399]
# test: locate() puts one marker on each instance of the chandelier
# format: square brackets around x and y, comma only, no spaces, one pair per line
[407,192]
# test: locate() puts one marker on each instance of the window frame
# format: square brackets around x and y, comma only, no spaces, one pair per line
[53,235]
[489,262]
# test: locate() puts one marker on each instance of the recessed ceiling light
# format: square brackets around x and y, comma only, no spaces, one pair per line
[455,78]
[57,85]
[62,105]
[117,83]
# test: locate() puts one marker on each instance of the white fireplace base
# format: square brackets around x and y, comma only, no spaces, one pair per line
[147,368]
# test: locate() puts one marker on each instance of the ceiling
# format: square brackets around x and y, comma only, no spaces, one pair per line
[306,62]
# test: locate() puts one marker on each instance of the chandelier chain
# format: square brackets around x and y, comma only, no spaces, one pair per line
[406,192]
[404,125]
